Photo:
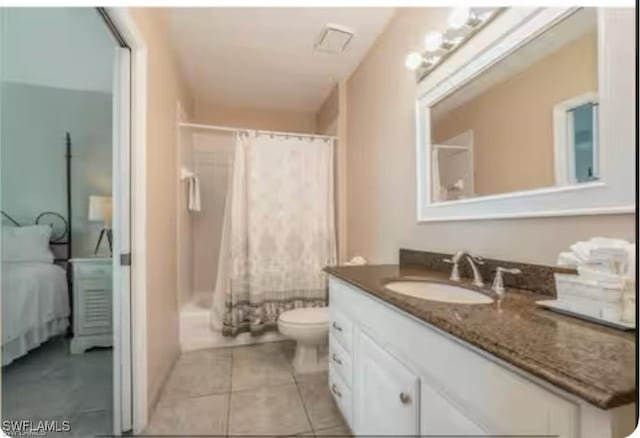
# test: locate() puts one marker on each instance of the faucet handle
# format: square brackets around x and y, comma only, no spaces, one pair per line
[498,284]
[455,272]
[479,260]
[514,271]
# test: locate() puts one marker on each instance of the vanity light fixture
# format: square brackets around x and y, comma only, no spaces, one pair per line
[463,23]
[433,41]
[459,17]
[413,61]
[432,60]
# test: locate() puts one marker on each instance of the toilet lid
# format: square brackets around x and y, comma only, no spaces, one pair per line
[306,316]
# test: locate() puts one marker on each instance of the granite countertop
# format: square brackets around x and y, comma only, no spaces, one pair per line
[593,362]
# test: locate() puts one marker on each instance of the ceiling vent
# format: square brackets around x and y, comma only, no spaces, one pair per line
[334,39]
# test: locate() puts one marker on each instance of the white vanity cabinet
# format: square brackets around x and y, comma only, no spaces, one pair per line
[385,394]
[398,375]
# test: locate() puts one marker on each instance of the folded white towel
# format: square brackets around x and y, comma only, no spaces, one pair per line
[601,278]
[611,255]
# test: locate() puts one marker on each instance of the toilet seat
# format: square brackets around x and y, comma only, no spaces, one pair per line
[306,317]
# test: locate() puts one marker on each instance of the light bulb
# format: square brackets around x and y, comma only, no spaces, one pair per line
[432,41]
[459,17]
[413,61]
[433,60]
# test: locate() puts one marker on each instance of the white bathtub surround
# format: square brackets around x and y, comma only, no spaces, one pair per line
[196,332]
[280,229]
[194,189]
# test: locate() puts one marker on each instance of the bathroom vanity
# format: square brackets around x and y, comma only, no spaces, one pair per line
[402,365]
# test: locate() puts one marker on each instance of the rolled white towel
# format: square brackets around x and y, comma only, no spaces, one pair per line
[568,259]
[357,261]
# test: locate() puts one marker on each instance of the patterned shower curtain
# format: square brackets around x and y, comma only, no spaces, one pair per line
[281,229]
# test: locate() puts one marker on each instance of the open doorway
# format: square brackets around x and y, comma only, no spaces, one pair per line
[65,194]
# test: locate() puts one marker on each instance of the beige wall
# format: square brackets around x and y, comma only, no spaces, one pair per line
[164,88]
[326,118]
[267,119]
[520,108]
[381,166]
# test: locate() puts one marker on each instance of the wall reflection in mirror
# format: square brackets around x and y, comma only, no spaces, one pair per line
[527,122]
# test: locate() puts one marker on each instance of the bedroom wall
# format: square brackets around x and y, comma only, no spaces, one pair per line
[381,171]
[35,120]
[46,92]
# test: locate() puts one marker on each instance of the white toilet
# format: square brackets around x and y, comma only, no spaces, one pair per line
[309,327]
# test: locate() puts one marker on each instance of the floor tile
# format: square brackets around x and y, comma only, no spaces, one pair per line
[51,384]
[319,403]
[44,398]
[260,367]
[199,373]
[88,424]
[336,431]
[273,410]
[301,378]
[194,416]
[284,349]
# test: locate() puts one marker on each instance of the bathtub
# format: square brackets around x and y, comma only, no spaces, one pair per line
[196,332]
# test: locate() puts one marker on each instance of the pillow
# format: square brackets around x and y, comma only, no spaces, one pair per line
[26,244]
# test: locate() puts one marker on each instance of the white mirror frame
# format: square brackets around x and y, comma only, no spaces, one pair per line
[614,192]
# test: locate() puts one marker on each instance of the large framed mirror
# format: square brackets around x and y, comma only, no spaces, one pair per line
[533,117]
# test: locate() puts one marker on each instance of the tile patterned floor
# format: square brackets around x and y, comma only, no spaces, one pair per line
[51,384]
[249,390]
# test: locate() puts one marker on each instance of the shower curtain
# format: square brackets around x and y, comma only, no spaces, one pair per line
[278,232]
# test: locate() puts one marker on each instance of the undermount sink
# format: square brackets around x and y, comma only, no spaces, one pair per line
[445,293]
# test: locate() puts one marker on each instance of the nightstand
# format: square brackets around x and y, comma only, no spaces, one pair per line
[92,303]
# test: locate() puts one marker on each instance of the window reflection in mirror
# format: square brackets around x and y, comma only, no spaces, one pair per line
[529,121]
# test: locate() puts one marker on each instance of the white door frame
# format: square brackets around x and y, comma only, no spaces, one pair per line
[129,31]
[563,153]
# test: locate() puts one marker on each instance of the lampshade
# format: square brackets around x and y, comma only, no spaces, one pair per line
[100,209]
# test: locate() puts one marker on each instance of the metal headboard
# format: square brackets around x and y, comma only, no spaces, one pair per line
[61,234]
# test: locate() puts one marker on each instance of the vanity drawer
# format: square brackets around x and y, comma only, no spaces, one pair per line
[340,360]
[341,327]
[342,395]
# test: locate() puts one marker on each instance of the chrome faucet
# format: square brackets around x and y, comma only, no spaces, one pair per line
[498,284]
[473,261]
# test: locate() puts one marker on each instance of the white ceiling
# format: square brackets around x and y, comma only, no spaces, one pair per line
[264,57]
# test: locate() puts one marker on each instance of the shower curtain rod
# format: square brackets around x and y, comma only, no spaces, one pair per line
[259,131]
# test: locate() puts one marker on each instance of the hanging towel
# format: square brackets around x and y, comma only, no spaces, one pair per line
[194,193]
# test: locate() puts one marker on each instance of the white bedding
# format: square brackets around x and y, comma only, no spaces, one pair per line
[35,306]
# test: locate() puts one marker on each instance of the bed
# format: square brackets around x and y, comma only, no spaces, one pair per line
[35,306]
[35,282]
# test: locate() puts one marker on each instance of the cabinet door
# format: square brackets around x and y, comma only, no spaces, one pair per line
[386,392]
[94,309]
[440,418]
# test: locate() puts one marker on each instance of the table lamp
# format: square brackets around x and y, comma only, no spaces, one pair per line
[100,209]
